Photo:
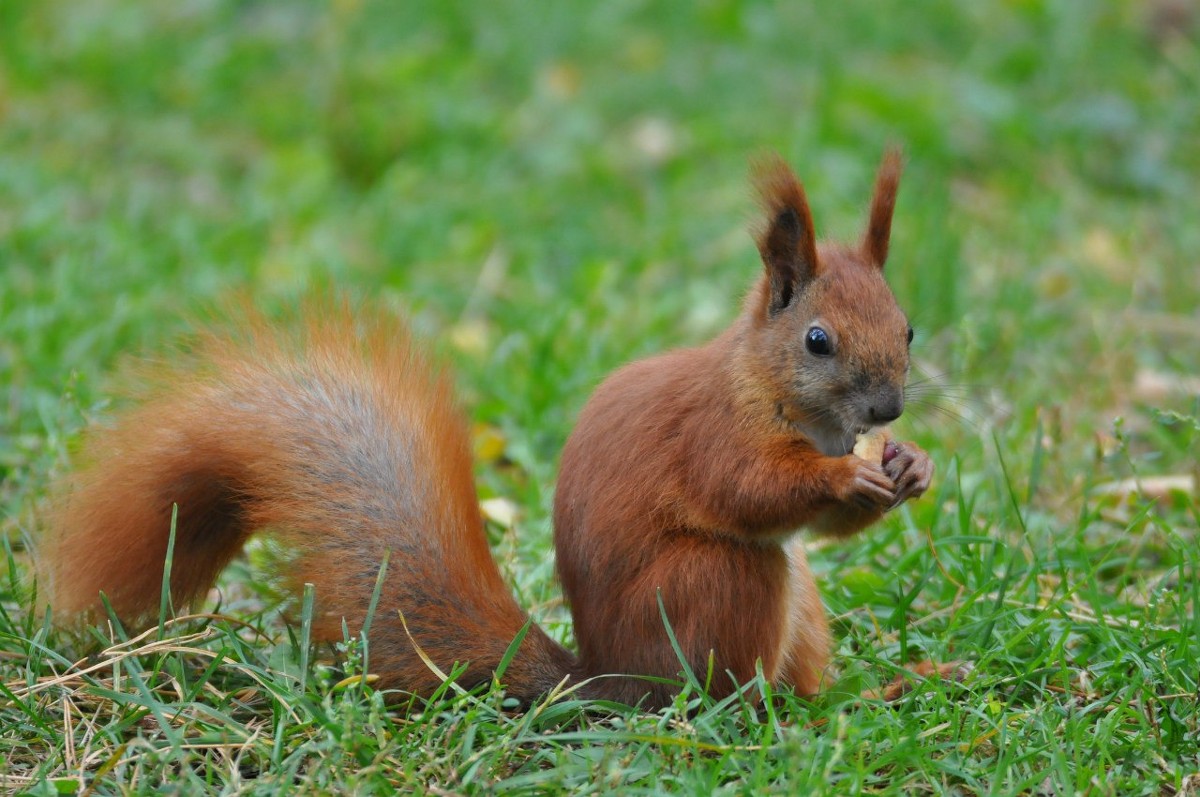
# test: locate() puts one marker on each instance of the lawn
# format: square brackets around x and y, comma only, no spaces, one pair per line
[548,191]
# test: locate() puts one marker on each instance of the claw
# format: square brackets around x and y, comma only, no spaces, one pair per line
[912,471]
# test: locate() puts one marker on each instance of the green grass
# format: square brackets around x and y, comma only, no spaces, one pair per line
[548,191]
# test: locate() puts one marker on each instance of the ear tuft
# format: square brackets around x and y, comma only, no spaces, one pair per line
[786,242]
[883,204]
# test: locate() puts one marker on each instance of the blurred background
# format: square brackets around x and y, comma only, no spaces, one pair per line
[549,190]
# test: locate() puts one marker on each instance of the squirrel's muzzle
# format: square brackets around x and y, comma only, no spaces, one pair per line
[885,407]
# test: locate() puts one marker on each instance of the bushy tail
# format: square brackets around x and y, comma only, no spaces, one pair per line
[339,439]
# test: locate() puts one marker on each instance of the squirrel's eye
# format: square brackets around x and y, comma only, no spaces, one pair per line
[910,333]
[817,341]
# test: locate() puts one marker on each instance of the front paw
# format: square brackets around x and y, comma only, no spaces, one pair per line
[910,468]
[867,486]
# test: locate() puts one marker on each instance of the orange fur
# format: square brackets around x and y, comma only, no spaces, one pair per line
[687,472]
[684,479]
[883,203]
[342,442]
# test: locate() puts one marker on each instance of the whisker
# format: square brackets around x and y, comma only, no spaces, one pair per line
[967,402]
[939,381]
[938,391]
[953,415]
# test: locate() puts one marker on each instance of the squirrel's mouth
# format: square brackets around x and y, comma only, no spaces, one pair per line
[833,442]
[834,436]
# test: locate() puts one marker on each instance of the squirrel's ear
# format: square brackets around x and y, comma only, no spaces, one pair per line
[879,225]
[786,241]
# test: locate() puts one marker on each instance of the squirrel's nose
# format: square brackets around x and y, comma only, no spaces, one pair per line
[886,409]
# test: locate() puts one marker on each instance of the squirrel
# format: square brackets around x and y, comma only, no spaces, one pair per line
[679,495]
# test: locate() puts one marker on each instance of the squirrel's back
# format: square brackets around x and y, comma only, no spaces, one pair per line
[338,438]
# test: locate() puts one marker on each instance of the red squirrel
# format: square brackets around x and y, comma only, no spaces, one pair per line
[683,482]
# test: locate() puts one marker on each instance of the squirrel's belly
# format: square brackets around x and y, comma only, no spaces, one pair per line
[805,641]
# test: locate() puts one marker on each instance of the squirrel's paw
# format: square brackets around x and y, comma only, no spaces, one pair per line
[868,486]
[910,468]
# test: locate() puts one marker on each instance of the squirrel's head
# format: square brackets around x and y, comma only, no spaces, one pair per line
[828,343]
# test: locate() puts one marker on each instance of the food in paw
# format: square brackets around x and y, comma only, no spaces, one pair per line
[872,445]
